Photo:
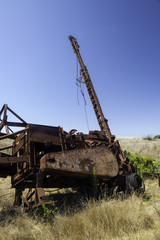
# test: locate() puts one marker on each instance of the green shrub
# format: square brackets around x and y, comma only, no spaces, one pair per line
[143,164]
[156,137]
[49,213]
[148,138]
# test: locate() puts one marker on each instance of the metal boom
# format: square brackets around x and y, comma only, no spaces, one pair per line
[102,121]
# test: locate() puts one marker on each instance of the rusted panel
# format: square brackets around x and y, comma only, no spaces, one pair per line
[82,161]
[54,131]
[40,196]
[43,134]
[43,138]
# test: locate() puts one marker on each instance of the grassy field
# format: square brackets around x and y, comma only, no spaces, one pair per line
[131,218]
[141,146]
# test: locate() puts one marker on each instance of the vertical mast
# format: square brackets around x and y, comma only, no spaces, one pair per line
[102,121]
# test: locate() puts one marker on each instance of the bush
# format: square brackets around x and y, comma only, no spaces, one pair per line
[148,138]
[156,137]
[143,164]
[49,213]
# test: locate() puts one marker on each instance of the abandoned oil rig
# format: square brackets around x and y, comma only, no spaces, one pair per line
[41,157]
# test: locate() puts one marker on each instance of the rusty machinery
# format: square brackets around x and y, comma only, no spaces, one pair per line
[39,157]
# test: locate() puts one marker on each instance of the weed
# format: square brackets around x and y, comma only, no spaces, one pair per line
[50,212]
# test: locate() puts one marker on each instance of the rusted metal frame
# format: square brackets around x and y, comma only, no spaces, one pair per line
[27,198]
[34,155]
[98,140]
[13,134]
[38,193]
[83,141]
[7,147]
[90,137]
[5,123]
[16,124]
[4,154]
[76,142]
[20,159]
[4,134]
[19,178]
[7,129]
[96,106]
[42,137]
[30,194]
[30,147]
[2,110]
[62,139]
[40,196]
[27,146]
[25,202]
[16,115]
[18,197]
[10,129]
[20,142]
[93,96]
[4,120]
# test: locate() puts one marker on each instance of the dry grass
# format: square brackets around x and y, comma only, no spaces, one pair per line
[4,143]
[141,146]
[131,218]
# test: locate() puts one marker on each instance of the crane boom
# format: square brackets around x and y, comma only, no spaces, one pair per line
[102,121]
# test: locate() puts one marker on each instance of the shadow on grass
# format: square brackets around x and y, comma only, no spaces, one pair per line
[9,213]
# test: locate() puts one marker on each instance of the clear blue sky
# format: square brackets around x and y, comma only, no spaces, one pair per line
[119,43]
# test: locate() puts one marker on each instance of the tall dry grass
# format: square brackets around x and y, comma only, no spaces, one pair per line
[141,146]
[130,218]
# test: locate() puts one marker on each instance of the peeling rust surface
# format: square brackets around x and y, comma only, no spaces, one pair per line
[82,161]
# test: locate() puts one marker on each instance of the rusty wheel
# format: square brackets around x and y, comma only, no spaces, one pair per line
[134,182]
